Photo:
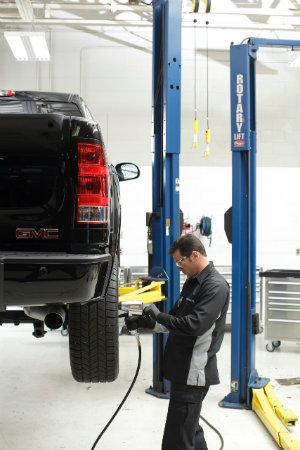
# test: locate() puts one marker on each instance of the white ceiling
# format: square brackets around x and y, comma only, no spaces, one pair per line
[248,15]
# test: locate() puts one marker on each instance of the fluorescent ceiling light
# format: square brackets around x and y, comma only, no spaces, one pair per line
[28,45]
[17,46]
[39,45]
[25,9]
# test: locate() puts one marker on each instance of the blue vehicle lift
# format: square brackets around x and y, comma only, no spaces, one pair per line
[246,385]
[166,94]
[248,390]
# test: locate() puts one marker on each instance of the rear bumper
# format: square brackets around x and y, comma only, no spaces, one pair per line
[42,278]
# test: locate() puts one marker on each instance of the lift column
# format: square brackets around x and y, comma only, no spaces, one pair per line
[166,93]
[245,320]
[243,224]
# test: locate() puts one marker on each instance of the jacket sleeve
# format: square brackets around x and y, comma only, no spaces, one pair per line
[203,314]
[159,328]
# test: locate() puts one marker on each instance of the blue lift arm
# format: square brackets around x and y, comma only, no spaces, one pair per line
[166,94]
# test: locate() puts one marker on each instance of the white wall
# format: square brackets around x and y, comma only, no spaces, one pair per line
[115,80]
[207,191]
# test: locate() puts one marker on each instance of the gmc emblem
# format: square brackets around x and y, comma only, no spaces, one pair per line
[42,233]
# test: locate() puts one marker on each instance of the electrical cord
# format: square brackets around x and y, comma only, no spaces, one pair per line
[246,39]
[215,430]
[128,392]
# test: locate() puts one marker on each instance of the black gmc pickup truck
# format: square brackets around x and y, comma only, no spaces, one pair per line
[60,226]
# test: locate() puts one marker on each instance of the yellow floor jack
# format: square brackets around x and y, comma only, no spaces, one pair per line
[275,417]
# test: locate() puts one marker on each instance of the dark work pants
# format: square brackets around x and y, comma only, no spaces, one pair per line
[182,429]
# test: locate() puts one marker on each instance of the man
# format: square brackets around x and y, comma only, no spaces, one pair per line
[196,327]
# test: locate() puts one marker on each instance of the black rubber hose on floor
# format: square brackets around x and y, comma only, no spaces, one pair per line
[127,393]
[215,430]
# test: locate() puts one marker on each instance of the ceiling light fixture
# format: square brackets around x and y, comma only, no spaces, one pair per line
[28,45]
[16,46]
[25,10]
[39,45]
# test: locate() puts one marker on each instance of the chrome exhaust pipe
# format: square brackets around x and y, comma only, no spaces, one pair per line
[53,316]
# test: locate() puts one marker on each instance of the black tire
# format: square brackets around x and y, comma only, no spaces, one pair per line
[94,336]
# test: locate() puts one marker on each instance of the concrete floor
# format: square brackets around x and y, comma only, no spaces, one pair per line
[42,408]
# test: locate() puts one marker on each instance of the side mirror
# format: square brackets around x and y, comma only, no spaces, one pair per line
[127,171]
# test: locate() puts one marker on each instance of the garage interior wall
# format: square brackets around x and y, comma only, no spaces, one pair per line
[114,77]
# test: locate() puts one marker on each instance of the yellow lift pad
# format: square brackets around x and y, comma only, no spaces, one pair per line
[286,415]
[150,293]
[274,416]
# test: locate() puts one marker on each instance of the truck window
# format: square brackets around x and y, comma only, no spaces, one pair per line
[11,107]
[38,107]
[67,109]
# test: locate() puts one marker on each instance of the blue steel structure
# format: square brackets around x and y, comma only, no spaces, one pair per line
[165,165]
[244,376]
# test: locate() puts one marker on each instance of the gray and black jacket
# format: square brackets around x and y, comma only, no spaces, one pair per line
[196,325]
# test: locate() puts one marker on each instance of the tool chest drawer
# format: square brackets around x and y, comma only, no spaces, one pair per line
[282,304]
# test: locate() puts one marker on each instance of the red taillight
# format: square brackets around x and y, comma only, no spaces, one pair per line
[92,189]
[91,154]
[89,185]
[8,93]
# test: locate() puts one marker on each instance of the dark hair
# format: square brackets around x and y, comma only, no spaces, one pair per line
[186,245]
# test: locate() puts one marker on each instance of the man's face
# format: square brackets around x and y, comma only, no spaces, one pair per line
[186,264]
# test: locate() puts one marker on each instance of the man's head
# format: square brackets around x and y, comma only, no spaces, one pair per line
[189,255]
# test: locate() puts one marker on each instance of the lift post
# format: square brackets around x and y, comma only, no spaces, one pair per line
[166,95]
[246,386]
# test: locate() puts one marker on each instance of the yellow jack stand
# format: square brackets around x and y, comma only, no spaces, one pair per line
[274,416]
[147,294]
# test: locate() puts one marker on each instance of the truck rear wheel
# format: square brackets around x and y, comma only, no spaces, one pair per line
[94,336]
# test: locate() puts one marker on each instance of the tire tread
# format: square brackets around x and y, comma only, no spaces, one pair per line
[94,336]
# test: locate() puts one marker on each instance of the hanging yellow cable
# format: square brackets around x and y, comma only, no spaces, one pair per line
[196,4]
[195,132]
[207,131]
[207,6]
[195,141]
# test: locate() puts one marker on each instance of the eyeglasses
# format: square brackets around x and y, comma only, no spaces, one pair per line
[180,262]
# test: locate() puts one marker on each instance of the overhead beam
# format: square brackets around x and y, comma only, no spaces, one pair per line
[274,12]
[25,10]
[148,23]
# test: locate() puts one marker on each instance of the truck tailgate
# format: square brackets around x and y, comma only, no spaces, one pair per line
[36,187]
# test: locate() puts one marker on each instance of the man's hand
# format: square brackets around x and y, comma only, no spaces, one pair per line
[152,311]
[135,322]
